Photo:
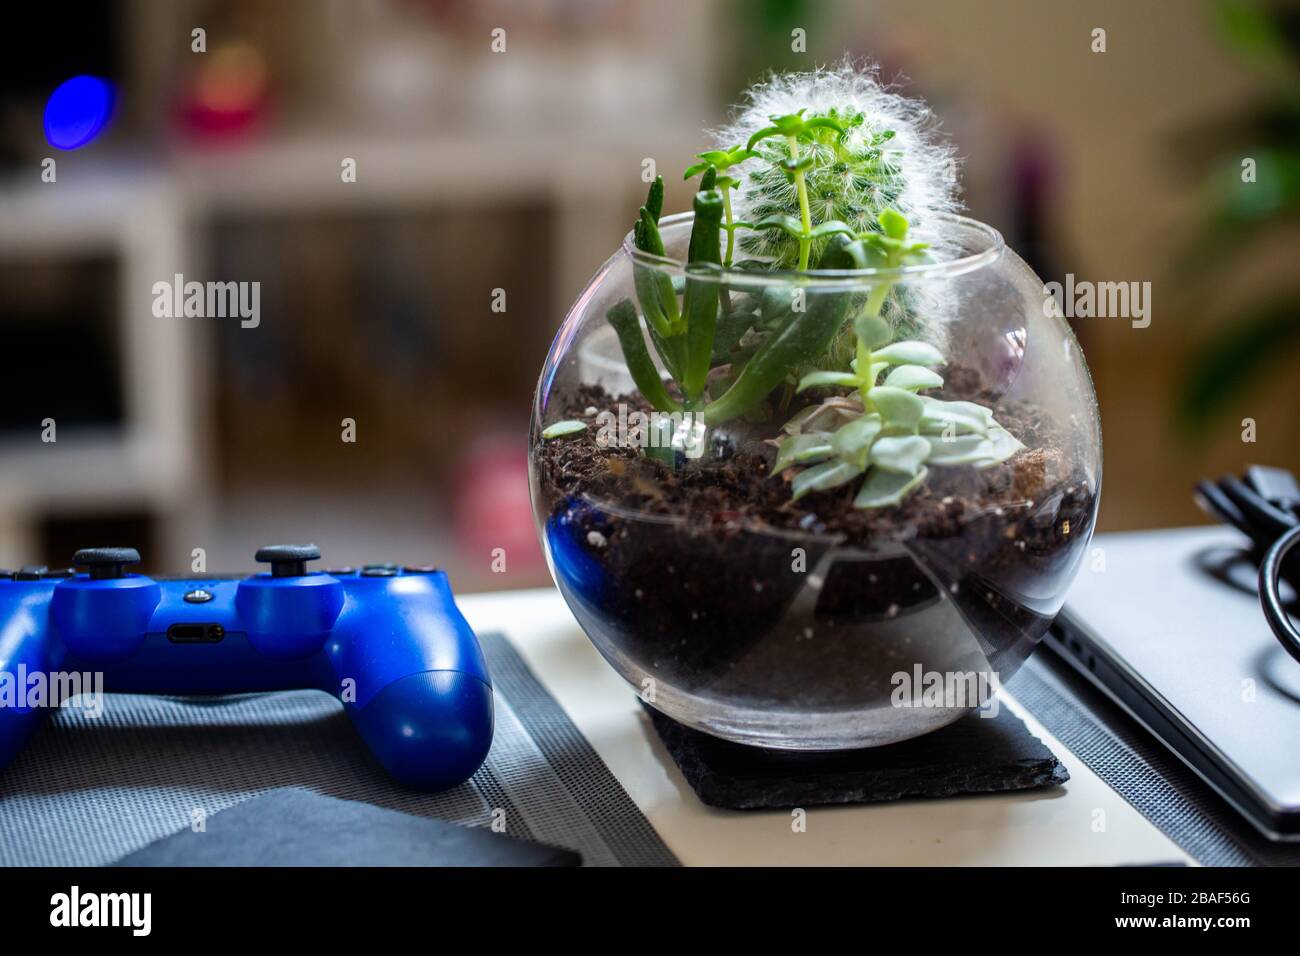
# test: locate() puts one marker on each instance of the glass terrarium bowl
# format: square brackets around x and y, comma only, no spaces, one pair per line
[811,625]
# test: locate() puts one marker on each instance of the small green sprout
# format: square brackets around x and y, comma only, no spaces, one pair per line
[719,161]
[794,129]
[849,175]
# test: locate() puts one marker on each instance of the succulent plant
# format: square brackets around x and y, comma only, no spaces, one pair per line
[888,432]
[828,171]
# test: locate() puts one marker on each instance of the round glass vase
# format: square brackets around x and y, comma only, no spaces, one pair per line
[813,624]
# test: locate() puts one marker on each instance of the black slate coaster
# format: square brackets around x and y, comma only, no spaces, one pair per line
[975,755]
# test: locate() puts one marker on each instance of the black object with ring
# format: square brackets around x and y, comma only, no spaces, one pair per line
[1265,506]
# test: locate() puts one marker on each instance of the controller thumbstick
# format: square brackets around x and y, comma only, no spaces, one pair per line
[287,560]
[106,563]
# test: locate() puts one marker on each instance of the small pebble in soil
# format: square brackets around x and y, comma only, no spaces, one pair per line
[596,539]
[893,610]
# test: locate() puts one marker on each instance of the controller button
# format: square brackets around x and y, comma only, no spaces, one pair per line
[30,572]
[287,560]
[106,562]
[59,573]
[198,596]
[339,572]
[379,571]
[420,569]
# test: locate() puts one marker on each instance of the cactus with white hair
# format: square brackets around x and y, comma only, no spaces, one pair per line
[882,152]
[826,171]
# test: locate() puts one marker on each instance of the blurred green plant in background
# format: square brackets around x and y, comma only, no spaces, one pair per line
[1252,159]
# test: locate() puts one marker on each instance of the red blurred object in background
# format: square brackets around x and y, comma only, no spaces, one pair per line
[491,508]
[227,96]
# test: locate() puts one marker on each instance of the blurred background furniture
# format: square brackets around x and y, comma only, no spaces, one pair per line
[511,162]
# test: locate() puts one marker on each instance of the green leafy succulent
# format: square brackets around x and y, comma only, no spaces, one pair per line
[701,333]
[890,432]
[682,333]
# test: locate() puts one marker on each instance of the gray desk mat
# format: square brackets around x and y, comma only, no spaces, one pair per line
[86,791]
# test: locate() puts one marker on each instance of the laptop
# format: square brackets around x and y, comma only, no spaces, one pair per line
[1168,625]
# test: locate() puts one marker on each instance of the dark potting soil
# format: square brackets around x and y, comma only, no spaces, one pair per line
[739,489]
[689,566]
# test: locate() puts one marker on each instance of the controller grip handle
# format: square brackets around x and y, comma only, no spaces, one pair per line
[430,730]
[104,620]
[26,648]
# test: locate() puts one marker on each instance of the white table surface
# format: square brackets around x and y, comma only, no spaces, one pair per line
[1083,823]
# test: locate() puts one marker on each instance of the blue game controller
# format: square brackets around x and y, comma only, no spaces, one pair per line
[388,642]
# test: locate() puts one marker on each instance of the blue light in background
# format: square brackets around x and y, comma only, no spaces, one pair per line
[77,111]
